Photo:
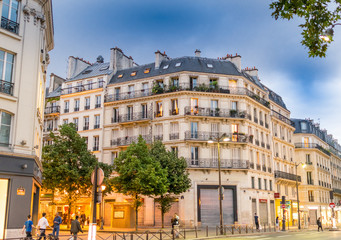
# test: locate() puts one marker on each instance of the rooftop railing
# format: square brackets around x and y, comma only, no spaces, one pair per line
[285,175]
[205,136]
[123,141]
[6,87]
[282,118]
[82,87]
[215,112]
[312,145]
[213,163]
[186,87]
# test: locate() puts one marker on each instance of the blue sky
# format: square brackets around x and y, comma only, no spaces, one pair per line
[310,87]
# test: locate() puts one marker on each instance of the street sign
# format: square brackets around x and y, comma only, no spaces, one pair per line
[276,195]
[100,176]
[332,205]
[283,206]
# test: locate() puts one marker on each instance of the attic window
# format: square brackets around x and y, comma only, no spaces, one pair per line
[133,73]
[104,68]
[178,64]
[165,67]
[147,70]
[209,65]
[87,71]
[120,76]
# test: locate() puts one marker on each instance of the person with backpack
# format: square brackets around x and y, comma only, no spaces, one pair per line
[175,224]
[319,224]
[28,226]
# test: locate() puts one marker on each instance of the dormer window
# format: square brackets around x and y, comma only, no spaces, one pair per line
[178,64]
[165,67]
[104,68]
[147,70]
[209,65]
[133,74]
[87,71]
[120,76]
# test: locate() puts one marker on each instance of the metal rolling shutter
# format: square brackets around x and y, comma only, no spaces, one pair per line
[263,213]
[209,208]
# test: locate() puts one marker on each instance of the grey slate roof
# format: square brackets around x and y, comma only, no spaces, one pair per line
[276,98]
[94,70]
[192,64]
[55,93]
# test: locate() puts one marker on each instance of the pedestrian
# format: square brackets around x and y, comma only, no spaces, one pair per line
[75,228]
[319,224]
[42,225]
[56,225]
[83,219]
[257,222]
[28,226]
[277,223]
[175,225]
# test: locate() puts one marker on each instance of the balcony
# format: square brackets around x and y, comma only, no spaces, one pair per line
[86,127]
[173,136]
[124,141]
[213,163]
[310,181]
[158,137]
[6,87]
[97,105]
[51,110]
[186,87]
[312,145]
[214,112]
[66,110]
[76,109]
[82,87]
[96,126]
[205,136]
[337,191]
[9,25]
[95,148]
[86,107]
[134,117]
[282,118]
[287,176]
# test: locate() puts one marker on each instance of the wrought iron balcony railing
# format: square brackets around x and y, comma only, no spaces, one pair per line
[312,145]
[137,116]
[213,163]
[52,109]
[282,118]
[215,112]
[97,105]
[86,127]
[158,137]
[288,176]
[9,25]
[82,87]
[173,136]
[186,87]
[205,136]
[96,126]
[123,141]
[66,110]
[86,107]
[6,87]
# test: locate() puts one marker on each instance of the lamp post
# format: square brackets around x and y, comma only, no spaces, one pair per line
[218,139]
[298,198]
[329,33]
[103,187]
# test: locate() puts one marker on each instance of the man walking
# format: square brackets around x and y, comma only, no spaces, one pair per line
[42,225]
[28,226]
[257,222]
[319,224]
[56,225]
[75,228]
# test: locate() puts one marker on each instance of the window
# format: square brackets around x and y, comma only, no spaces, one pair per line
[115,117]
[209,65]
[76,105]
[286,189]
[194,130]
[311,195]
[235,131]
[214,108]
[234,105]
[66,121]
[69,88]
[178,64]
[6,72]
[145,90]
[265,184]
[270,185]
[97,121]
[193,82]
[98,101]
[304,126]
[232,83]
[306,142]
[75,121]
[144,111]
[175,82]
[87,103]
[175,108]
[165,67]
[307,158]
[130,113]
[279,188]
[194,106]
[147,70]
[214,83]
[259,183]
[114,155]
[96,143]
[175,150]
[89,84]
[309,178]
[117,93]
[133,74]
[100,82]
[9,17]
[86,140]
[174,131]
[86,123]
[194,156]
[159,110]
[5,128]
[120,76]
[252,182]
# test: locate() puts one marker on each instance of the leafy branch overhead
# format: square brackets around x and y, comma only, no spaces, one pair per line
[318,15]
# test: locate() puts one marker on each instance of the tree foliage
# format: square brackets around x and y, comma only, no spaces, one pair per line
[318,15]
[177,176]
[68,164]
[139,174]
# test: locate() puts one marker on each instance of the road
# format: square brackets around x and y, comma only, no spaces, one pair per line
[311,235]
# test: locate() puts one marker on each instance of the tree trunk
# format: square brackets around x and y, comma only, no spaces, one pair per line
[68,216]
[136,212]
[162,212]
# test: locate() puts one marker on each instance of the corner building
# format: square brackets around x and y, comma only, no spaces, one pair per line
[186,101]
[26,37]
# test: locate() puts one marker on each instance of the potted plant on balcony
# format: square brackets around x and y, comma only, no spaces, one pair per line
[157,89]
[202,88]
[251,138]
[217,110]
[242,114]
[233,113]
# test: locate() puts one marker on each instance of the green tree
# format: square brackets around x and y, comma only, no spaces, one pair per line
[139,174]
[318,15]
[68,164]
[177,176]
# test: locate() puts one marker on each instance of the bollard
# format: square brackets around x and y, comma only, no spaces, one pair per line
[247,229]
[232,230]
[206,231]
[131,236]
[147,236]
[216,231]
[160,235]
[196,232]
[184,233]
[173,233]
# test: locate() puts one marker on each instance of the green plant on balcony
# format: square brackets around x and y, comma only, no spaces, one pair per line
[242,114]
[251,138]
[202,88]
[157,89]
[233,112]
[256,97]
[214,86]
[267,104]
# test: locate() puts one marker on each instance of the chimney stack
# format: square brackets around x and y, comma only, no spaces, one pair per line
[119,61]
[159,57]
[236,60]
[252,71]
[76,65]
[197,53]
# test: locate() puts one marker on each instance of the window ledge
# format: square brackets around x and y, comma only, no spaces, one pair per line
[10,34]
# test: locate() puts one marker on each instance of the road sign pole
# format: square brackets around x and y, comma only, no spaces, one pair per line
[94,197]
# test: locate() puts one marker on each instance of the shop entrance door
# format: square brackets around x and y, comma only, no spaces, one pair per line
[312,216]
[3,204]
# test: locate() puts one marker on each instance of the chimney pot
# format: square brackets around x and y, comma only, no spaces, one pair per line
[197,53]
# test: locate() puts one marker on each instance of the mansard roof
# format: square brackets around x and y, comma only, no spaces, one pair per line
[93,70]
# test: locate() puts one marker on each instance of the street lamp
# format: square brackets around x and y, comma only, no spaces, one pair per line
[329,33]
[298,198]
[218,139]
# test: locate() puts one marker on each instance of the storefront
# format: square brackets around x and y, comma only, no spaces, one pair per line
[3,205]
[289,212]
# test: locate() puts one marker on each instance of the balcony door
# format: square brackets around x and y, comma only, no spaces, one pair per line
[130,112]
[194,106]
[194,155]
[194,129]
[306,142]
